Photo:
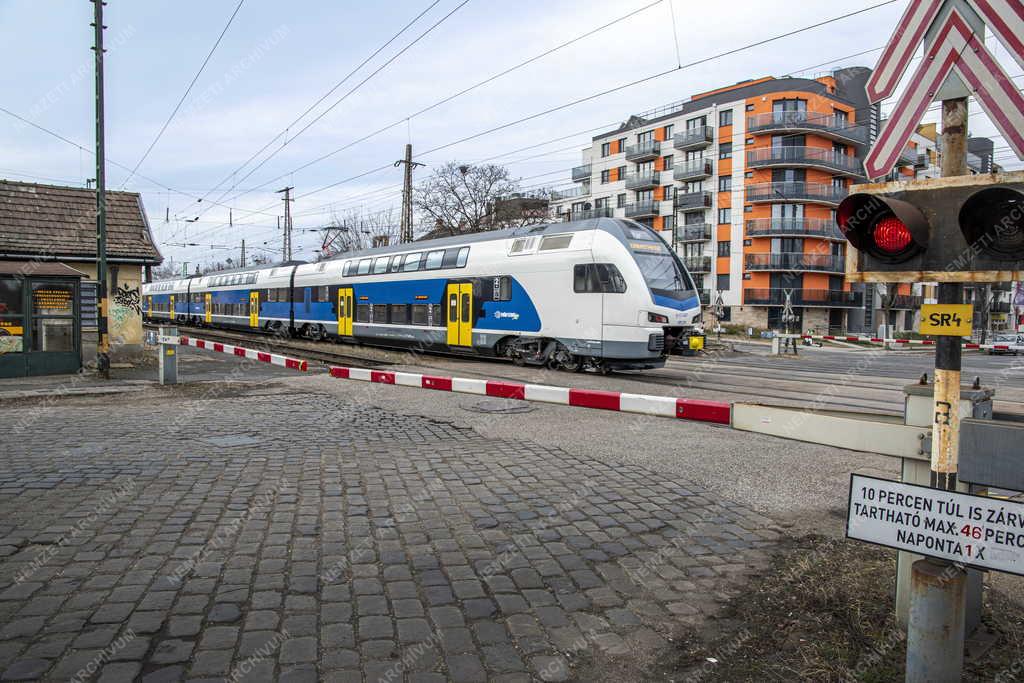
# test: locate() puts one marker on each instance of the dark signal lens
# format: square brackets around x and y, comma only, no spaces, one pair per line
[992,221]
[891,235]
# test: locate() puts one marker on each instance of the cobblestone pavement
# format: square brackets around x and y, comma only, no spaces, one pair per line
[188,540]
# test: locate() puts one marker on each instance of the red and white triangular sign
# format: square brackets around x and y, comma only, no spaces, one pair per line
[956,49]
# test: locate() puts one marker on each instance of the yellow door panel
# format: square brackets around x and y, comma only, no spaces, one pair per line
[254,309]
[459,301]
[452,302]
[172,308]
[345,311]
[208,306]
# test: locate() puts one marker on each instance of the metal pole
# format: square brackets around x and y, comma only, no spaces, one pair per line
[935,634]
[287,223]
[405,231]
[103,347]
[243,254]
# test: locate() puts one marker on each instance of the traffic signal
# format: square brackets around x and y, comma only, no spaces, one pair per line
[961,229]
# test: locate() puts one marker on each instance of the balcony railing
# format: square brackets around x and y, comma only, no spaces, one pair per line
[804,297]
[902,301]
[693,201]
[694,232]
[1000,307]
[571,193]
[642,181]
[698,264]
[908,157]
[694,138]
[643,150]
[642,209]
[796,192]
[602,212]
[694,169]
[823,228]
[810,122]
[817,157]
[581,173]
[798,261]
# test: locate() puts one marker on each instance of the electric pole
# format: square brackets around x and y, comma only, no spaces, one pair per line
[287,222]
[242,258]
[405,234]
[103,347]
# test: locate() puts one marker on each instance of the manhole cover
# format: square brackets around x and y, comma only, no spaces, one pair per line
[500,406]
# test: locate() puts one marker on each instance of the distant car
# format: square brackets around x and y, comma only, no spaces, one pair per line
[1009,340]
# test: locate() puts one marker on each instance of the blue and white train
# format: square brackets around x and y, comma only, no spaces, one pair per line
[603,294]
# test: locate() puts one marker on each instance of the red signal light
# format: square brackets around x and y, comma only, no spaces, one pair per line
[891,235]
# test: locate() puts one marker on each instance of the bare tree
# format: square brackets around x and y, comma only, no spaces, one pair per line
[357,230]
[461,198]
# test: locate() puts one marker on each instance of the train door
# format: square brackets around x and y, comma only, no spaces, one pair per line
[460,314]
[171,309]
[254,308]
[208,307]
[149,307]
[345,311]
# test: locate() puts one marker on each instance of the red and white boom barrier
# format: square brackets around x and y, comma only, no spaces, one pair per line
[242,352]
[919,342]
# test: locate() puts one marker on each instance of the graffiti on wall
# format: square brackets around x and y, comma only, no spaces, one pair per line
[126,314]
[129,298]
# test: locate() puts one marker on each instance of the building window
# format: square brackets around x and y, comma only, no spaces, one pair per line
[725,215]
[668,222]
[725,183]
[667,192]
[647,136]
[748,208]
[606,149]
[725,150]
[669,129]
[724,249]
[606,176]
[748,174]
[620,200]
[725,117]
[723,282]
[750,107]
[667,162]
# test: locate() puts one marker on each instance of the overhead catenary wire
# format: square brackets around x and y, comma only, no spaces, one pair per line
[184,95]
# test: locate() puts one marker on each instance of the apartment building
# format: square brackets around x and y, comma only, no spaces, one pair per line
[744,181]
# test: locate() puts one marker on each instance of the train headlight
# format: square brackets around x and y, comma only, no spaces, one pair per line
[656,318]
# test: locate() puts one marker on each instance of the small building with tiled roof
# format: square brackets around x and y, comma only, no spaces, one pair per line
[52,225]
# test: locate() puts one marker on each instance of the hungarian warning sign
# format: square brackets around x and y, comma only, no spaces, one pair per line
[986,533]
[953,33]
[947,320]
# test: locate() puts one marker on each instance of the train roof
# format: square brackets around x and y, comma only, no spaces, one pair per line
[553,228]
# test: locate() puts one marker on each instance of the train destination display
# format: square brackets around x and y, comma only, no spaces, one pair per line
[982,532]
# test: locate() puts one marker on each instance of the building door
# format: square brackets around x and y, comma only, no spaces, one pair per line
[254,308]
[460,314]
[208,307]
[345,311]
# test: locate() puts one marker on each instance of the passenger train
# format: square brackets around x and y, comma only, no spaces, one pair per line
[603,294]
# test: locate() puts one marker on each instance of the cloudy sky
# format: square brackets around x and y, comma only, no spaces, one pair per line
[277,60]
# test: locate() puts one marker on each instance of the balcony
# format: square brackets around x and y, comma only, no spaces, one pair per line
[643,151]
[693,201]
[693,138]
[694,169]
[796,261]
[584,214]
[827,298]
[902,301]
[571,193]
[698,264]
[826,125]
[806,157]
[822,228]
[908,157]
[581,173]
[646,209]
[705,297]
[815,193]
[1000,307]
[642,181]
[694,232]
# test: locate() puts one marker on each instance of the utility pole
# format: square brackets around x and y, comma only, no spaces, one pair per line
[287,222]
[405,234]
[242,259]
[103,347]
[938,588]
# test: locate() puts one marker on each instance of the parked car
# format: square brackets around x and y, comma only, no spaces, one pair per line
[1010,339]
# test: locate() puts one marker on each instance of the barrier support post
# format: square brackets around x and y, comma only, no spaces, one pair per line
[168,340]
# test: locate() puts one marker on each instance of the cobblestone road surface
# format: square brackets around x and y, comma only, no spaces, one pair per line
[262,535]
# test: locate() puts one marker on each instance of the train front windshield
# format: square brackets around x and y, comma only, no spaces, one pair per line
[660,267]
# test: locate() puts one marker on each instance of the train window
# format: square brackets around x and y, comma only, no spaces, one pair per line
[399,314]
[396,264]
[465,308]
[323,293]
[435,315]
[380,264]
[502,288]
[363,313]
[451,256]
[598,278]
[379,313]
[463,257]
[434,259]
[364,267]
[347,270]
[419,314]
[555,242]
[412,262]
[453,307]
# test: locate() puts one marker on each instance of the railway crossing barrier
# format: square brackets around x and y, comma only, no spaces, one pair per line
[911,342]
